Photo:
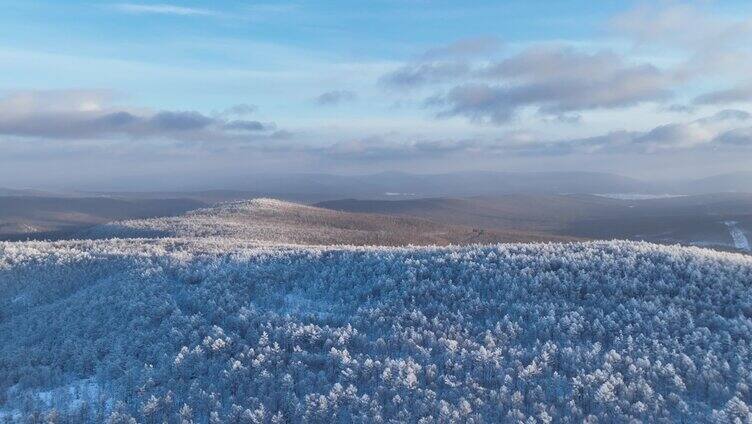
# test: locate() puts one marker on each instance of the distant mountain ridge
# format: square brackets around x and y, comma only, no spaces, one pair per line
[317,187]
[312,187]
[479,183]
[739,182]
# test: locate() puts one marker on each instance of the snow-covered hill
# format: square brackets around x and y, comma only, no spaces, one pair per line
[224,330]
[280,222]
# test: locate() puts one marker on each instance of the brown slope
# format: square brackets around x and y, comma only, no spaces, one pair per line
[519,212]
[38,217]
[698,220]
[274,221]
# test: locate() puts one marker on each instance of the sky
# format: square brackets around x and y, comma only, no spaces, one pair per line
[98,94]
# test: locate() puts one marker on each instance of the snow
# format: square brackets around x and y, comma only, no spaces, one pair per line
[297,303]
[737,235]
[10,414]
[260,220]
[67,398]
[73,394]
[204,325]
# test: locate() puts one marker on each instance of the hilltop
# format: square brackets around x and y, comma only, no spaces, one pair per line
[280,222]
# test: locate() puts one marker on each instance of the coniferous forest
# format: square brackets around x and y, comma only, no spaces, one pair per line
[215,330]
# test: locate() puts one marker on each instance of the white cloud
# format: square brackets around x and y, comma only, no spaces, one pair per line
[713,43]
[554,80]
[86,114]
[162,9]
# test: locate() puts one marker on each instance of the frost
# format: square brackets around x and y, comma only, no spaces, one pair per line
[737,235]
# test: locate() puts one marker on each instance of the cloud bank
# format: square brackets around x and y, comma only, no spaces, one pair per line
[551,79]
[90,114]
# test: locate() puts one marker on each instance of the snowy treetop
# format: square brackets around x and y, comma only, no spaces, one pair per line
[215,329]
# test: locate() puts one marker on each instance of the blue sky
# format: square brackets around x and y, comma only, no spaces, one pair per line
[100,91]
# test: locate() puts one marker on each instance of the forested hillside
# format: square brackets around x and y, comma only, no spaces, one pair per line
[28,215]
[276,221]
[208,330]
[698,220]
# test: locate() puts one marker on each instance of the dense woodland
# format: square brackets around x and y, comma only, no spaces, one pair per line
[181,331]
[280,222]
